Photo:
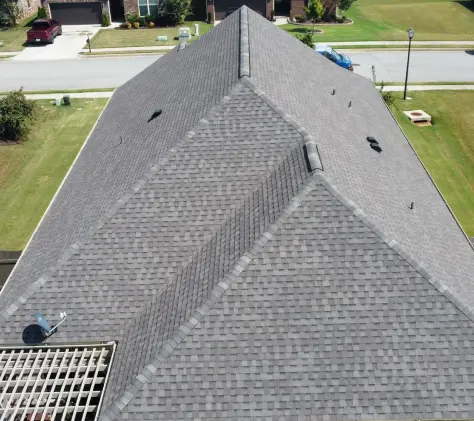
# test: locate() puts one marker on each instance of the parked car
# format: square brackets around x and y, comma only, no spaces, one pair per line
[340,59]
[44,30]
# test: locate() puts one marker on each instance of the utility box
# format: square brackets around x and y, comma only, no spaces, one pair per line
[162,38]
[184,33]
[196,29]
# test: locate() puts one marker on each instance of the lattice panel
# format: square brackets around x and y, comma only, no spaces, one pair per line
[53,383]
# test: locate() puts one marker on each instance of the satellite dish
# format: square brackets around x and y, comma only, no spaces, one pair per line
[42,322]
[48,330]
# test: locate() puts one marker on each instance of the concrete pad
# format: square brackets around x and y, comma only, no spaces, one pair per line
[65,46]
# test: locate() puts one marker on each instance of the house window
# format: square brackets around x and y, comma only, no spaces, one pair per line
[148,7]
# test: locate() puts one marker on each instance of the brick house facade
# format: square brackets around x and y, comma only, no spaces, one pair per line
[28,7]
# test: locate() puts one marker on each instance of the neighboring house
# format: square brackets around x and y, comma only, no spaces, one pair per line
[88,12]
[228,245]
[28,7]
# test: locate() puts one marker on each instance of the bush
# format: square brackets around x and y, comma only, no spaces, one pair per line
[209,17]
[175,11]
[151,24]
[150,18]
[387,96]
[272,15]
[136,24]
[41,13]
[16,114]
[300,18]
[105,20]
[126,25]
[132,19]
[307,39]
[315,11]
[9,13]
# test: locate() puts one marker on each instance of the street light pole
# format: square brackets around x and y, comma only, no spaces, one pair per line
[411,34]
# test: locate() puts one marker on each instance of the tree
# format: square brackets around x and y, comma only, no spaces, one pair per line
[16,113]
[307,39]
[344,5]
[315,11]
[9,13]
[175,11]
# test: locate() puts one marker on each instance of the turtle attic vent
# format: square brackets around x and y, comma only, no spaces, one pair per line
[53,382]
[418,117]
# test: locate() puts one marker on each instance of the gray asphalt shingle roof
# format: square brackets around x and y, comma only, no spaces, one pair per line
[238,284]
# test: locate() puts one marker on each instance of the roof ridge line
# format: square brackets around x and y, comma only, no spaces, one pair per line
[6,313]
[244,58]
[396,246]
[167,348]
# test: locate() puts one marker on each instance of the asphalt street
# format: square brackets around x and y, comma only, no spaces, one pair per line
[78,73]
[110,72]
[425,66]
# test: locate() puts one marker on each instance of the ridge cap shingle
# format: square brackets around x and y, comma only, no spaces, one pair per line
[244,58]
[415,263]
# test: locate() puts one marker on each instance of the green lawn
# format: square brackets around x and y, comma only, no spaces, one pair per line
[13,39]
[388,20]
[31,172]
[447,147]
[110,38]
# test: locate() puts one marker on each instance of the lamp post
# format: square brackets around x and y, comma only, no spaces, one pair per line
[411,34]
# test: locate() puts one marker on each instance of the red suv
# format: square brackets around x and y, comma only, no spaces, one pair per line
[44,30]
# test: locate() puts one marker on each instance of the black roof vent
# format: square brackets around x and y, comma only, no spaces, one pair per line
[374,144]
[157,113]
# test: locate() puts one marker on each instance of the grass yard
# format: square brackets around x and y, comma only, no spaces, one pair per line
[388,20]
[13,39]
[111,38]
[31,172]
[447,147]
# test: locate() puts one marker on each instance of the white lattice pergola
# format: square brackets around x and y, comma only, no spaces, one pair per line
[53,382]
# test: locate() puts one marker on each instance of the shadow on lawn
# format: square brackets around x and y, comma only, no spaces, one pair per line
[470,52]
[469,5]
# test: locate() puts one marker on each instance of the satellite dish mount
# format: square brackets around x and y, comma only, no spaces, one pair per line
[47,329]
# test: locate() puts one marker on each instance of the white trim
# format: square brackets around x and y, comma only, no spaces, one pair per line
[54,197]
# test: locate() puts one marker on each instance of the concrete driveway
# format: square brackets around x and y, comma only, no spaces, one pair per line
[65,46]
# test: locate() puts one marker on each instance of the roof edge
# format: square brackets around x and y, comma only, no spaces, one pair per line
[198,315]
[415,263]
[427,173]
[6,313]
[244,58]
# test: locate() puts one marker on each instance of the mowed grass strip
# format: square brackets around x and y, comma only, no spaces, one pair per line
[31,172]
[447,147]
[116,38]
[376,20]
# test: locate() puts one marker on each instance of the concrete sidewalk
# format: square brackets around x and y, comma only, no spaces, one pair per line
[400,88]
[86,95]
[402,43]
[120,49]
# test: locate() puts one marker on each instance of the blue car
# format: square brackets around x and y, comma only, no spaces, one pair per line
[331,54]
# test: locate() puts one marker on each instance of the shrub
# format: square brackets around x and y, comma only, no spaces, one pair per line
[126,25]
[175,11]
[272,15]
[300,18]
[136,24]
[16,114]
[151,24]
[343,5]
[387,96]
[307,39]
[41,13]
[132,18]
[315,11]
[9,13]
[209,17]
[105,19]
[150,18]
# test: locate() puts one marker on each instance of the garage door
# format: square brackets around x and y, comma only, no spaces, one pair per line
[223,8]
[76,13]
